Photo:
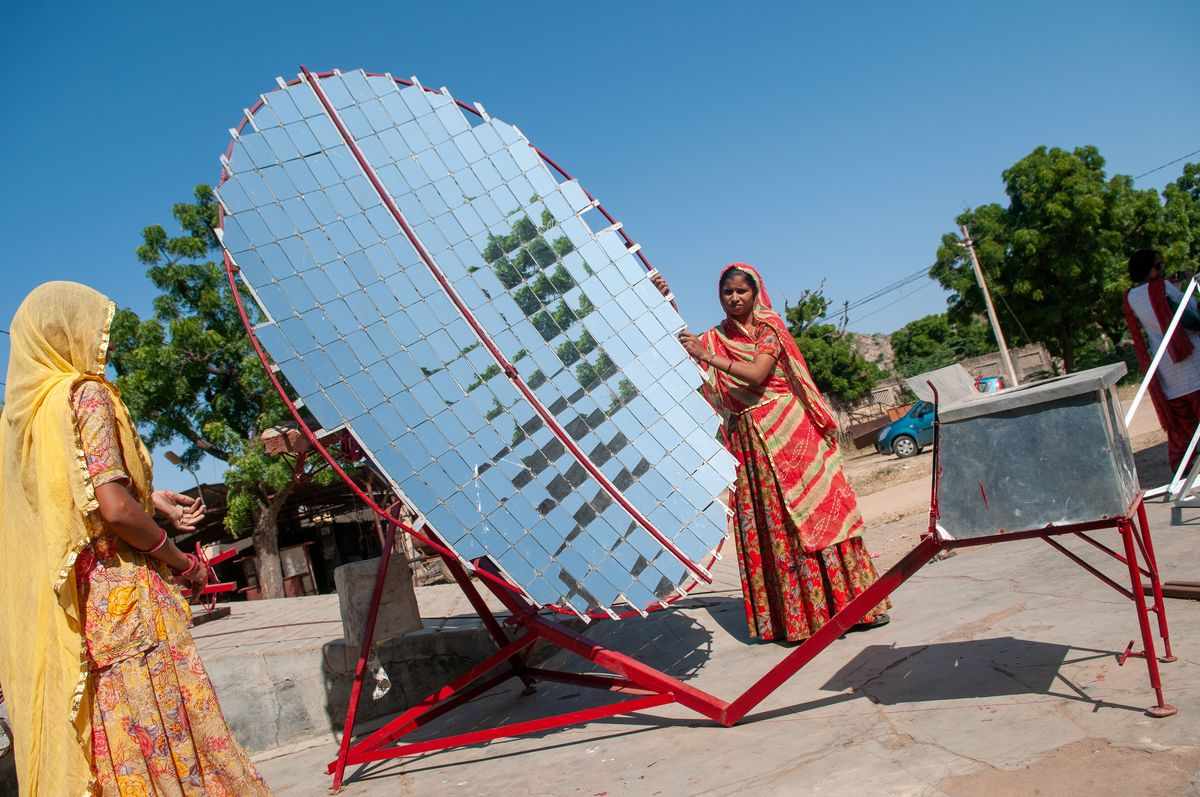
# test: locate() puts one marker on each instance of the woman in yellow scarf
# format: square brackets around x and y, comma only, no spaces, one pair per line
[106,693]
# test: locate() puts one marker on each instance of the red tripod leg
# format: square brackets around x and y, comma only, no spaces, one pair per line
[1162,708]
[1160,605]
[489,620]
[360,669]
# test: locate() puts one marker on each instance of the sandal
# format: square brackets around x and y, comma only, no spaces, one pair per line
[878,622]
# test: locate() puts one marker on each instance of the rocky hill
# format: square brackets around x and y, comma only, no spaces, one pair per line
[876,348]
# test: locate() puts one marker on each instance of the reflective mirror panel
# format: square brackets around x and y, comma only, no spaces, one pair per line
[539,476]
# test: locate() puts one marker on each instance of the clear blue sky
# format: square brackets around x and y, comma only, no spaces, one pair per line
[821,145]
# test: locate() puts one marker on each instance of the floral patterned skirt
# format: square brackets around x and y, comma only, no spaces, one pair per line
[157,730]
[789,594]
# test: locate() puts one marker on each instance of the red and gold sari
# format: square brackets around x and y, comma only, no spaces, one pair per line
[796,520]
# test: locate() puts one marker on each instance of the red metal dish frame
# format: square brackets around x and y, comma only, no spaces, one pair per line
[647,686]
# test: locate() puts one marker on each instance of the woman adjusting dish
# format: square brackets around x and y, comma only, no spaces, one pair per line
[796,520]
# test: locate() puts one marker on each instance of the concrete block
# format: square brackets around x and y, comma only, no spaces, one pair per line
[398,611]
[417,664]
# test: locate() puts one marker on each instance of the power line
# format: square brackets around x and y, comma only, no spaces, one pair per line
[1015,318]
[1168,163]
[892,303]
[874,295]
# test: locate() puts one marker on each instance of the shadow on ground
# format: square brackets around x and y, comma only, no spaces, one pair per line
[674,643]
[1152,466]
[669,641]
[981,668]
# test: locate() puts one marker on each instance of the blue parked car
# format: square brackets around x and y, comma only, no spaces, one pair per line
[908,435]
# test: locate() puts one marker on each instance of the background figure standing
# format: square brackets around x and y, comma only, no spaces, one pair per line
[1175,390]
[796,520]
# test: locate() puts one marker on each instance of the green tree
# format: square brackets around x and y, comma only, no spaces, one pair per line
[1182,210]
[188,374]
[1055,256]
[935,341]
[837,368]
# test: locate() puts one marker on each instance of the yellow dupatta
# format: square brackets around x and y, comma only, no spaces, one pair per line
[48,514]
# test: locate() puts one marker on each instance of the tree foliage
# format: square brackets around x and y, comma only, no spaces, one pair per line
[837,368]
[1181,208]
[1055,256]
[188,374]
[936,341]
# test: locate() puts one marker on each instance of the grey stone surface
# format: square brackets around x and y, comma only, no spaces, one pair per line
[398,611]
[999,660]
[282,669]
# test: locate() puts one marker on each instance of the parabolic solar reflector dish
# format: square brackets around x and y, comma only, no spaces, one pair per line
[429,283]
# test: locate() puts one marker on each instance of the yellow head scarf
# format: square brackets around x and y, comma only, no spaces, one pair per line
[48,513]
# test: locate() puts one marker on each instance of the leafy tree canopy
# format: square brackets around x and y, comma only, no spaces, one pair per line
[1055,256]
[837,368]
[188,374]
[936,341]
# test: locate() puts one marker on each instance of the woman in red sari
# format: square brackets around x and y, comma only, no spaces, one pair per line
[796,520]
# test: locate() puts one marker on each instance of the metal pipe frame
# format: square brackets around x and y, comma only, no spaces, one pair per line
[648,687]
[651,687]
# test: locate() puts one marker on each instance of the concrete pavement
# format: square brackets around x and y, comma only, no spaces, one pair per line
[998,675]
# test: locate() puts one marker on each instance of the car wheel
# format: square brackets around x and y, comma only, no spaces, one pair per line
[905,446]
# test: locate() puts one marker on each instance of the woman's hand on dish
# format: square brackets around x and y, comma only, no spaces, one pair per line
[183,512]
[693,346]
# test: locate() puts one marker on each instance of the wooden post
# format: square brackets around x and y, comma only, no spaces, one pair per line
[991,310]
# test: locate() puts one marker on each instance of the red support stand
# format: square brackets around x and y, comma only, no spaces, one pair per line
[647,687]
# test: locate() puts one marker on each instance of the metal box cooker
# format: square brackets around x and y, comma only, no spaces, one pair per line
[1048,453]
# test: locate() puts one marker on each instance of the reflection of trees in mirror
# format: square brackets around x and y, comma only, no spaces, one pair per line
[488,373]
[525,299]
[605,367]
[543,289]
[507,274]
[591,374]
[626,392]
[537,379]
[545,326]
[524,263]
[585,372]
[429,371]
[586,342]
[563,281]
[563,315]
[541,251]
[496,411]
[524,230]
[568,353]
